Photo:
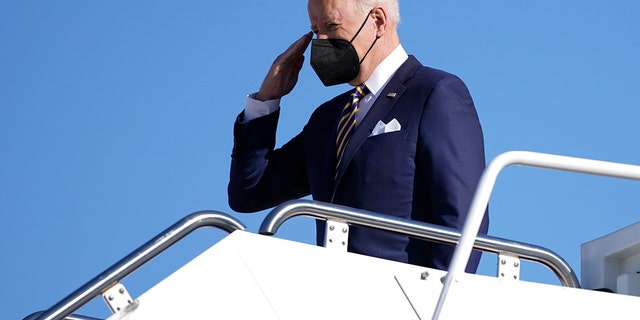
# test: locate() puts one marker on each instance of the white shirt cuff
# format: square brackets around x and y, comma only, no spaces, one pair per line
[255,108]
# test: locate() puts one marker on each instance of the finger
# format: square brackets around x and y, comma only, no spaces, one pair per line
[300,45]
[299,63]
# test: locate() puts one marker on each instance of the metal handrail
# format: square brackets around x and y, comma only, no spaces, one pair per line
[139,257]
[417,229]
[485,187]
[35,315]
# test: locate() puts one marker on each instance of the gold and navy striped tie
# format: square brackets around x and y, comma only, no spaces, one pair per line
[347,123]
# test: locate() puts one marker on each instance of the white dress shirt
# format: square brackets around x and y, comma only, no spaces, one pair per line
[378,80]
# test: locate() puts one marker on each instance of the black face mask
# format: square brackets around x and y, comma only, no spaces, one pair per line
[335,61]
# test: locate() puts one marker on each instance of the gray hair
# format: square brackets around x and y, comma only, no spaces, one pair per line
[392,6]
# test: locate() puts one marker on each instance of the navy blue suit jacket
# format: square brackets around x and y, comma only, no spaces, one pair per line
[427,171]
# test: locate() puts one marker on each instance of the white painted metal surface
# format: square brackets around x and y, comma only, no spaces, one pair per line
[249,276]
[613,261]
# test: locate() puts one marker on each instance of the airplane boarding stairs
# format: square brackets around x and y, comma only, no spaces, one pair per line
[256,276]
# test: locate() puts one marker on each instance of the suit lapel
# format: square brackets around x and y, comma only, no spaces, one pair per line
[387,98]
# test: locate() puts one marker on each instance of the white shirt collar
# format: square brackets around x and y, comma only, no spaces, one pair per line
[386,69]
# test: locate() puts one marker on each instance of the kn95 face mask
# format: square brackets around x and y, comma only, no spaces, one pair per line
[335,61]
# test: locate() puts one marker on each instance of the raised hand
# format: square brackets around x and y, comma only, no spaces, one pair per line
[283,74]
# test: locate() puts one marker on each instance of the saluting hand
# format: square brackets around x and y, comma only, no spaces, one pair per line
[283,74]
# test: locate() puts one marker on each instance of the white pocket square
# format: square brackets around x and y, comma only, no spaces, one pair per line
[381,127]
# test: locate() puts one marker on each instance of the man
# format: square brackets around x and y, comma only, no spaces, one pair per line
[406,142]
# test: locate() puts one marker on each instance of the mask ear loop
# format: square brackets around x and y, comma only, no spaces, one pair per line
[361,26]
[357,33]
[371,47]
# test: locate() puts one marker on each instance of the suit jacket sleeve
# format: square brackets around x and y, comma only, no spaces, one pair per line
[261,176]
[452,159]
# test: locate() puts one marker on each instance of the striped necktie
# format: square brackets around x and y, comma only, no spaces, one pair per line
[347,123]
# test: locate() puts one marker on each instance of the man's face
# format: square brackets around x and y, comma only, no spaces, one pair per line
[340,19]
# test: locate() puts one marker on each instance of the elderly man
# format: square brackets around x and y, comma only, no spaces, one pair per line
[406,141]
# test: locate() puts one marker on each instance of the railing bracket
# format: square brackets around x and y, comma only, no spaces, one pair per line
[117,297]
[337,235]
[508,267]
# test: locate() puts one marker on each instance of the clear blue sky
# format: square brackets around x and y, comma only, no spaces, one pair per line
[116,121]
